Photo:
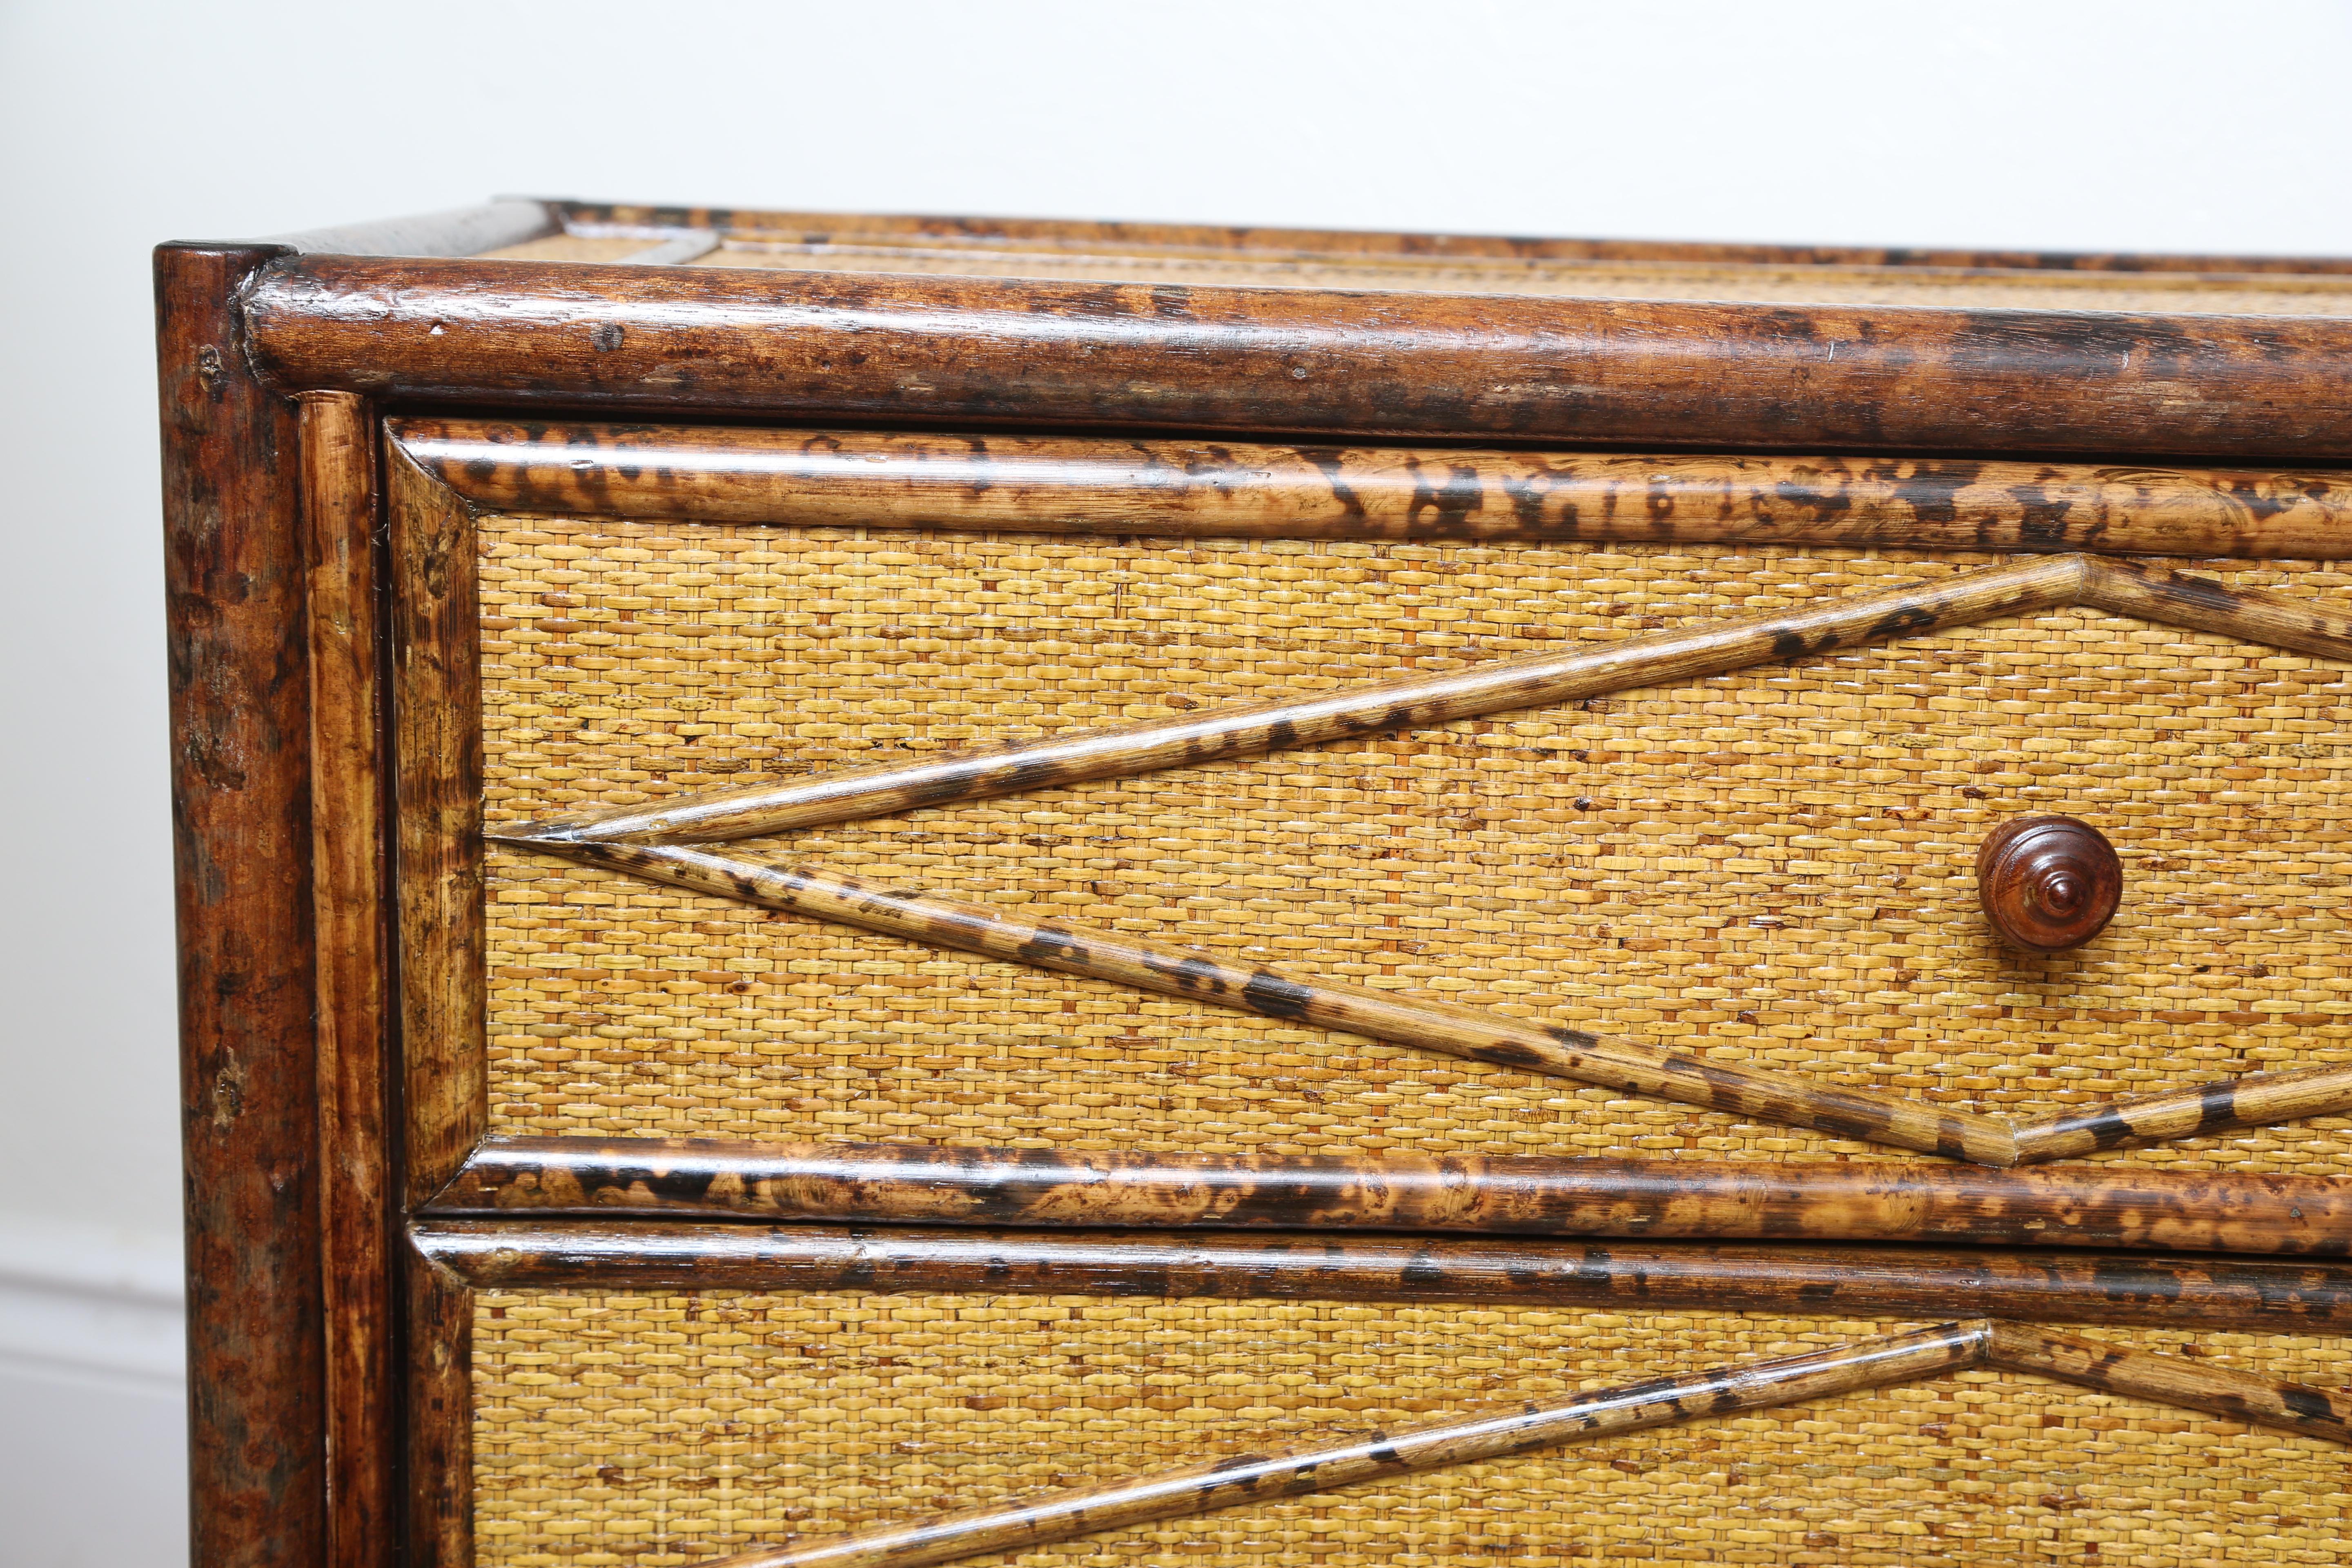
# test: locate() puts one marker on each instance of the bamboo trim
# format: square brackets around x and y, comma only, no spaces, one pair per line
[340,494]
[901,1184]
[2255,1099]
[987,230]
[2169,1380]
[437,774]
[438,1417]
[647,844]
[1236,489]
[1723,1391]
[1245,1479]
[963,351]
[241,804]
[983,772]
[1799,1278]
[1068,948]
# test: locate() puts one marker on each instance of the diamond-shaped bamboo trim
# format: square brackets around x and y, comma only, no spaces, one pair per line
[660,845]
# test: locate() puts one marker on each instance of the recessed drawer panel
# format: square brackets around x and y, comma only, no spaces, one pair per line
[1773,866]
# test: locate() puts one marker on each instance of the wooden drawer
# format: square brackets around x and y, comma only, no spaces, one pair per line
[954,936]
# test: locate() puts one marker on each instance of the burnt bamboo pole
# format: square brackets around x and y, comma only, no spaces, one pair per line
[1529,1194]
[2254,1099]
[241,802]
[937,350]
[1534,680]
[1240,729]
[2173,1380]
[1178,489]
[1212,239]
[1251,1478]
[1200,974]
[1798,1278]
[2200,603]
[341,492]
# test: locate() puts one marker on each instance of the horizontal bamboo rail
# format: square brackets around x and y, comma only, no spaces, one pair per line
[1799,1278]
[1200,974]
[1414,701]
[903,1183]
[1087,235]
[1177,489]
[1723,1391]
[845,346]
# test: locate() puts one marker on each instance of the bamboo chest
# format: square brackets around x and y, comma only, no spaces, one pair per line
[874,891]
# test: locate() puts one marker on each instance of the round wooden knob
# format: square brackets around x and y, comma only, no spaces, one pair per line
[2048,883]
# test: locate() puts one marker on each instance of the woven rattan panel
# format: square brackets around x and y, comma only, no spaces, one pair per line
[2272,295]
[661,1429]
[1775,863]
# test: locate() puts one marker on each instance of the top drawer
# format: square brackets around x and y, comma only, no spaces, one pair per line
[1767,869]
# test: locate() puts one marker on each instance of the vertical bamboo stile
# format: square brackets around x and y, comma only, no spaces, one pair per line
[241,806]
[439,1411]
[437,772]
[339,502]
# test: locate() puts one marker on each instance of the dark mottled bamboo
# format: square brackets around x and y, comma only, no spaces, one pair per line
[1200,974]
[1241,1478]
[1803,1279]
[2173,1380]
[2255,1099]
[1172,487]
[1231,238]
[240,759]
[828,345]
[2200,603]
[1239,728]
[918,1183]
[339,496]
[438,764]
[1123,751]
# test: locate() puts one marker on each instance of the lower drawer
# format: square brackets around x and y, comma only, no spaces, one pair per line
[656,1428]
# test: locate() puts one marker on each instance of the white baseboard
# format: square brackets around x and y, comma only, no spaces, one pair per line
[93,1409]
[86,1302]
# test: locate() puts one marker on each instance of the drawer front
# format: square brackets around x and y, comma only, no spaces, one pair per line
[649,1428]
[1774,866]
[1769,867]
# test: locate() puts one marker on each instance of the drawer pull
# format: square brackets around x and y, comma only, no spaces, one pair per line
[2048,883]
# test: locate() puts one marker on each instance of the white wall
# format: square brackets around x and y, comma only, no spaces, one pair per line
[2158,124]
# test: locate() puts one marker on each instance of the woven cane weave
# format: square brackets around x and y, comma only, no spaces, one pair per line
[657,1429]
[1775,865]
[2270,295]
